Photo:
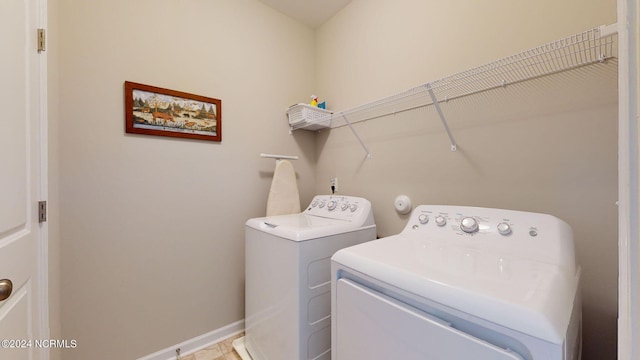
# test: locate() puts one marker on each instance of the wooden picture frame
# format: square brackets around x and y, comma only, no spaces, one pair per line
[156,111]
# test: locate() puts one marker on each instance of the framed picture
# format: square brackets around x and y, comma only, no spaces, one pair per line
[156,111]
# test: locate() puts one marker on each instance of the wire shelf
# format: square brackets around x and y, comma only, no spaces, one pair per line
[589,47]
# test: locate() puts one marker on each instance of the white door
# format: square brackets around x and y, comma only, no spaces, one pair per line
[20,181]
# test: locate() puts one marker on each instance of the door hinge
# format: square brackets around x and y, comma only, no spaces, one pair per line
[42,211]
[42,40]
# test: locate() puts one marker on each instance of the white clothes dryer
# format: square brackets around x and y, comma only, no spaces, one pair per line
[460,283]
[288,276]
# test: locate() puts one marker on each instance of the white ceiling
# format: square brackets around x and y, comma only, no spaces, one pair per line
[309,12]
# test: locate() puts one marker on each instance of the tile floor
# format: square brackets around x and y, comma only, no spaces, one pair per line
[220,351]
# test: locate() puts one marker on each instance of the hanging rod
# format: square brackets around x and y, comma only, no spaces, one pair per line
[589,47]
[279,157]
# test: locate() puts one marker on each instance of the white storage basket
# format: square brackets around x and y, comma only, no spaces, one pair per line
[303,116]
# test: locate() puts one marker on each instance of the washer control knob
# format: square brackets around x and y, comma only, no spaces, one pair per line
[423,218]
[504,228]
[353,207]
[321,204]
[441,220]
[469,225]
[332,205]
[314,203]
[345,206]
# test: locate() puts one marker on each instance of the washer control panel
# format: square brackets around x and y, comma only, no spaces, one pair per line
[516,233]
[339,207]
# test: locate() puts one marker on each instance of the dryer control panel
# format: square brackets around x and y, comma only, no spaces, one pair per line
[519,234]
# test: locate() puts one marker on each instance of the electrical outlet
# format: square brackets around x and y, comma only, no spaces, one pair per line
[334,184]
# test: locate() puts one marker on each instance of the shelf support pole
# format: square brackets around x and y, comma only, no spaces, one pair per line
[454,147]
[356,135]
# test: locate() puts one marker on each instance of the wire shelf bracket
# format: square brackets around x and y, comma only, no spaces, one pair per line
[355,133]
[454,146]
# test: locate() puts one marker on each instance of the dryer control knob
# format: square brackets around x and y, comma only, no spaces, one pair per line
[345,206]
[353,207]
[321,204]
[504,228]
[441,220]
[469,225]
[423,218]
[332,205]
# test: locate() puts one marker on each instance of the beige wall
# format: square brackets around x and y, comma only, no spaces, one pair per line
[152,228]
[548,145]
[376,48]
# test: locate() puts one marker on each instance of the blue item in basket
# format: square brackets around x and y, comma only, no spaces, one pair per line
[322,105]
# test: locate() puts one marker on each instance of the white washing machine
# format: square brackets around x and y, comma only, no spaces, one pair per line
[288,276]
[460,283]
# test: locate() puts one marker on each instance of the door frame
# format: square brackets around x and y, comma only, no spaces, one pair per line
[628,180]
[43,191]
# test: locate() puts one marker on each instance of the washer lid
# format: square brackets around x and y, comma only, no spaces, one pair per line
[300,227]
[527,296]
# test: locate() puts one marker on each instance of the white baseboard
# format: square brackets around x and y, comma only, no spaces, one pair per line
[198,343]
